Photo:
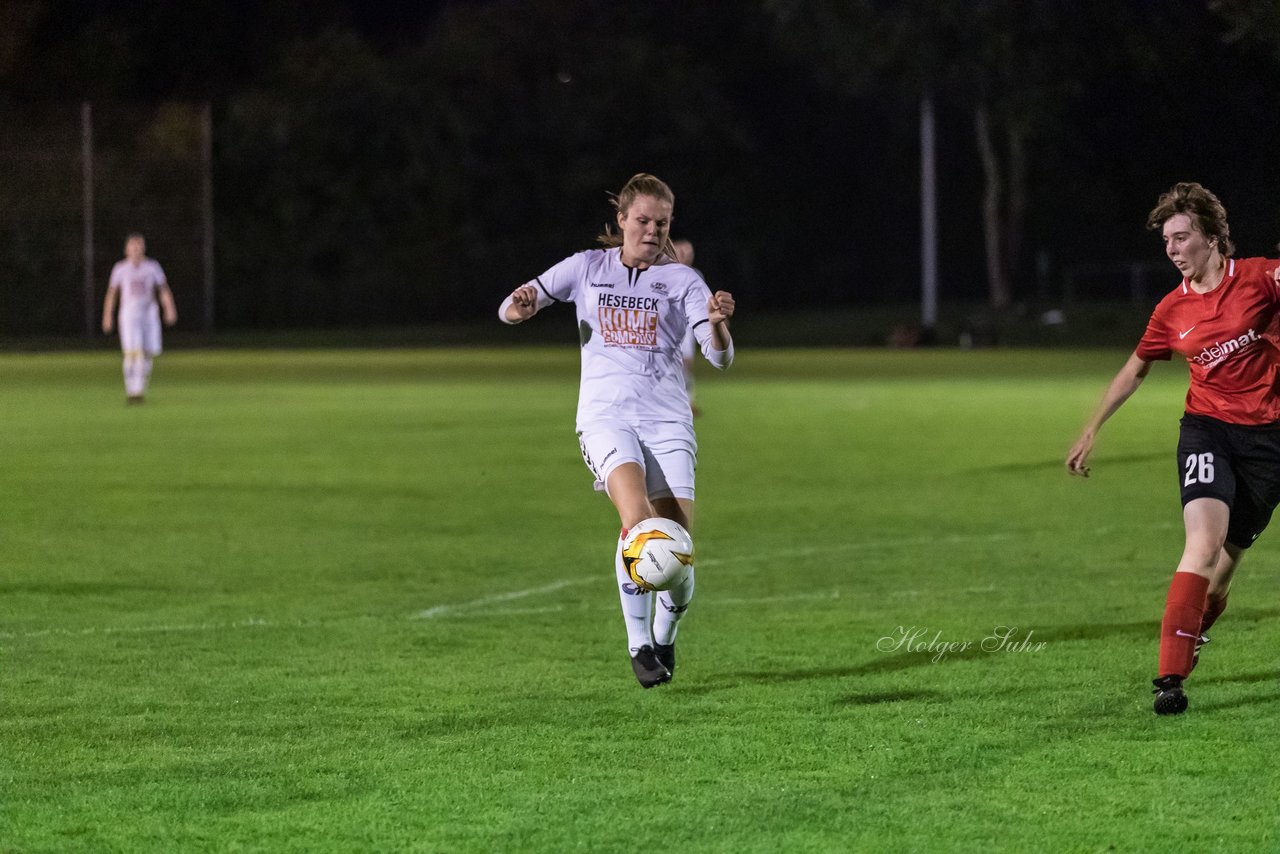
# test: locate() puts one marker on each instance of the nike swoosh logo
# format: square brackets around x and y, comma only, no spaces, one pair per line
[1180,633]
[1182,335]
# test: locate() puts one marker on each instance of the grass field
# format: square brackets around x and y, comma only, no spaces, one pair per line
[364,601]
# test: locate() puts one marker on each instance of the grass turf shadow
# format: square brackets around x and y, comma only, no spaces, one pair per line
[878,697]
[1055,464]
[1255,699]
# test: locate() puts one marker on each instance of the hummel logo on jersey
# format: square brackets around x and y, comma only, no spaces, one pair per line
[608,285]
[1182,335]
[659,287]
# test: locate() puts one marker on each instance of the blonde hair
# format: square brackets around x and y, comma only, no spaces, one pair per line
[640,184]
[1208,216]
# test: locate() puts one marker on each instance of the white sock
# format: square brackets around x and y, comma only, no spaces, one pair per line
[145,374]
[672,605]
[133,381]
[637,606]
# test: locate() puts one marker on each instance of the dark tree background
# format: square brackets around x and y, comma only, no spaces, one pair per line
[402,162]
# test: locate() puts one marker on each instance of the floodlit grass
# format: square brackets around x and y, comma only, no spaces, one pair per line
[364,601]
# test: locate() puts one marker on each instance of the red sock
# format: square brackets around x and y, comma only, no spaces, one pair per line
[1183,611]
[1212,611]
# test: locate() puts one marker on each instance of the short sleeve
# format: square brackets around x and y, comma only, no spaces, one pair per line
[1154,346]
[561,282]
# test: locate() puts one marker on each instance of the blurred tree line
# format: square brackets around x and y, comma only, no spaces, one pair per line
[409,162]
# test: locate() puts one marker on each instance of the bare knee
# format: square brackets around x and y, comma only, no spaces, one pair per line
[627,491]
[1201,555]
[1228,560]
[1206,524]
[678,510]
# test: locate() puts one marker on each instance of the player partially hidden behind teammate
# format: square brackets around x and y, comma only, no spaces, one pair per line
[1229,445]
[688,344]
[634,303]
[139,284]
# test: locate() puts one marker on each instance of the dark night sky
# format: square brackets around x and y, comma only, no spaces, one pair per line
[814,184]
[195,48]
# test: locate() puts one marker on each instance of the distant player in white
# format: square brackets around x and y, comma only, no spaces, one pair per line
[634,304]
[143,293]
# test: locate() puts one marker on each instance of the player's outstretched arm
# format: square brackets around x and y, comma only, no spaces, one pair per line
[1122,386]
[720,309]
[521,305]
[168,308]
[109,311]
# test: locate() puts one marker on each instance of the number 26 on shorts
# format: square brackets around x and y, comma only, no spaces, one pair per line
[1199,469]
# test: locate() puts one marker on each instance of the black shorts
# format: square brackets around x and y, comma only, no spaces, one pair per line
[1235,463]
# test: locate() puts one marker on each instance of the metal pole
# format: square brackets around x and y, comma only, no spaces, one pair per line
[206,210]
[928,218]
[86,157]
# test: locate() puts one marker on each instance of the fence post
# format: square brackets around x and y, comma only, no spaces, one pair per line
[928,218]
[206,209]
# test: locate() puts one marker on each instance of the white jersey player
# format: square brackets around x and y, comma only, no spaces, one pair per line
[139,285]
[634,304]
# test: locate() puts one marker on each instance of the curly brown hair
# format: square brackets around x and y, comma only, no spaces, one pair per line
[1208,216]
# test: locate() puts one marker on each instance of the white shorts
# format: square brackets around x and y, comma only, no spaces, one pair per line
[140,332]
[667,451]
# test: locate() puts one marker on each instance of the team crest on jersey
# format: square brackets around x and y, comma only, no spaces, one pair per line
[659,287]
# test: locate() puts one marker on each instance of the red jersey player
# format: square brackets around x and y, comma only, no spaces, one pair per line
[1229,443]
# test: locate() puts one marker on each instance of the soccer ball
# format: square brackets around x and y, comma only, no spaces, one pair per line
[658,554]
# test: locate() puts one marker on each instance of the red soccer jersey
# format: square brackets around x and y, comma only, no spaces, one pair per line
[1235,364]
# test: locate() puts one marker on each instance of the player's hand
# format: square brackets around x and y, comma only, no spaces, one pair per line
[720,306]
[524,302]
[170,318]
[1078,454]
[106,325]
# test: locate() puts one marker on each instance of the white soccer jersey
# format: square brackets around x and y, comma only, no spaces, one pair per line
[630,325]
[138,285]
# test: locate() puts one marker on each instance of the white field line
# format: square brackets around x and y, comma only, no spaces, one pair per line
[478,607]
[251,623]
[731,602]
[470,605]
[498,598]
